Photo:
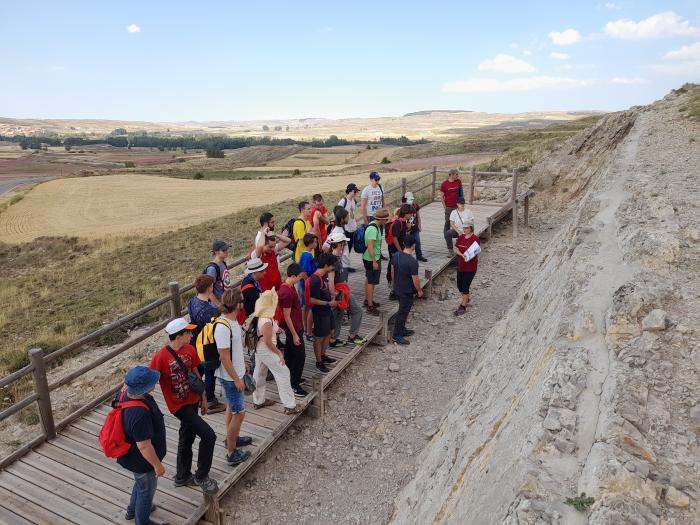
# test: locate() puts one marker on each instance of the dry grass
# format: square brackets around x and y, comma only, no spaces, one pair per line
[131,204]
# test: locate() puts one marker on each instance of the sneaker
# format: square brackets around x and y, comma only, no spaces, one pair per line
[422,259]
[357,340]
[208,485]
[407,332]
[309,338]
[296,410]
[322,367]
[401,340]
[244,441]
[215,406]
[393,297]
[461,310]
[328,360]
[128,516]
[185,482]
[300,392]
[338,343]
[375,305]
[266,403]
[236,457]
[372,310]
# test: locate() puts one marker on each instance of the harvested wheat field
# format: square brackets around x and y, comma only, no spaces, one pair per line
[131,204]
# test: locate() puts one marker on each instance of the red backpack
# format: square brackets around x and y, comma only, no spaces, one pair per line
[241,316]
[390,229]
[112,438]
[307,288]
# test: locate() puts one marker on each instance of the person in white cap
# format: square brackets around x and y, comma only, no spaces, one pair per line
[250,286]
[175,362]
[415,224]
[269,357]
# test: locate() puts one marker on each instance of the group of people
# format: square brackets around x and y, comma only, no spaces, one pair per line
[275,316]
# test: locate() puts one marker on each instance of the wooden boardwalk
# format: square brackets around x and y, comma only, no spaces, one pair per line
[68,479]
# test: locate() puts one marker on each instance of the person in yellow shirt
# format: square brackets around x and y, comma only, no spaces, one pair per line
[301,227]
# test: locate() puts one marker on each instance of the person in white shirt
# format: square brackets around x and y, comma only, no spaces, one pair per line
[350,205]
[372,197]
[229,342]
[459,218]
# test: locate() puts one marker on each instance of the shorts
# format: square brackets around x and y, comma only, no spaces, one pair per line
[323,325]
[234,399]
[372,274]
[464,281]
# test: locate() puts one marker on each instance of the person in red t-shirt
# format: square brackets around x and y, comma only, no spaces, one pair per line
[183,402]
[267,250]
[319,219]
[466,264]
[293,326]
[450,190]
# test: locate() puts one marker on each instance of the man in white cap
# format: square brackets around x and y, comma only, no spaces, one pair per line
[251,287]
[415,224]
[175,362]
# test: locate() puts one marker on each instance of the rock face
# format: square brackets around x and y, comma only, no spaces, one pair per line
[590,381]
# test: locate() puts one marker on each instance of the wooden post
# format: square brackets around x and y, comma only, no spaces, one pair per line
[318,405]
[382,337]
[404,183]
[471,186]
[175,304]
[428,288]
[434,184]
[41,387]
[214,514]
[526,211]
[514,200]
[490,223]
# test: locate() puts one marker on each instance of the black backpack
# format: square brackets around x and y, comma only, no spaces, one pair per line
[218,272]
[289,228]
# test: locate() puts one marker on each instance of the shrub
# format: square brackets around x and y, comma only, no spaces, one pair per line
[386,160]
[16,199]
[215,153]
[181,160]
[68,147]
[296,172]
[580,503]
[129,164]
[198,176]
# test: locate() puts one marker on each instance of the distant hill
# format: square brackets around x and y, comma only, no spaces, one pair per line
[430,111]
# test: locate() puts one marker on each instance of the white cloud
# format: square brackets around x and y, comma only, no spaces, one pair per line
[564,38]
[560,56]
[527,52]
[691,52]
[612,6]
[661,25]
[627,81]
[506,64]
[133,28]
[516,84]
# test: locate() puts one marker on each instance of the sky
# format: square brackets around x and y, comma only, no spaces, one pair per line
[177,61]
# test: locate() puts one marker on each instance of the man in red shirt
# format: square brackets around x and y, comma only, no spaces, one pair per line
[293,326]
[467,260]
[174,362]
[319,219]
[450,190]
[267,250]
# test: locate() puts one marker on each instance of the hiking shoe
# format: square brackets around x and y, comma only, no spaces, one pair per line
[309,338]
[296,410]
[401,340]
[236,457]
[266,403]
[375,305]
[300,392]
[372,310]
[338,343]
[185,482]
[407,332]
[244,441]
[215,406]
[322,367]
[422,259]
[128,516]
[328,360]
[393,296]
[461,310]
[357,340]
[208,485]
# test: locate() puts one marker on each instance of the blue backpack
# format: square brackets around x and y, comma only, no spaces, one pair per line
[359,240]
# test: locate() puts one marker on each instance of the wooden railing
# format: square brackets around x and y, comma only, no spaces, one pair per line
[39,362]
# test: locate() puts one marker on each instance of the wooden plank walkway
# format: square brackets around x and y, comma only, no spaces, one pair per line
[68,479]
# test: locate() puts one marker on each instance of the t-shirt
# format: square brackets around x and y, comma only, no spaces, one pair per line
[452,191]
[323,293]
[308,264]
[272,278]
[141,424]
[405,267]
[201,312]
[223,282]
[232,339]
[251,294]
[373,233]
[460,218]
[463,243]
[301,227]
[173,379]
[415,218]
[350,205]
[374,198]
[288,298]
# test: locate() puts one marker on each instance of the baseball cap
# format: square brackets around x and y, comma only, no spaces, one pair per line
[374,175]
[178,325]
[337,237]
[220,246]
[460,200]
[409,197]
[140,380]
[351,187]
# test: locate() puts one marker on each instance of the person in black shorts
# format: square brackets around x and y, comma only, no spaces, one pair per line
[321,307]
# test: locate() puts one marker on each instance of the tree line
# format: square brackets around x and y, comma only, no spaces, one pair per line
[192,142]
